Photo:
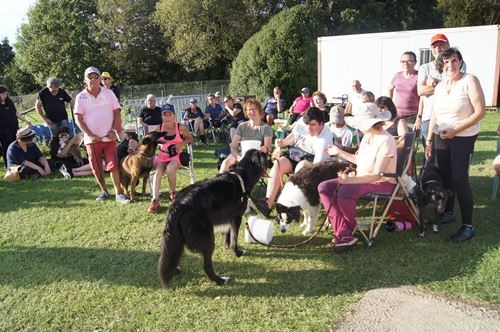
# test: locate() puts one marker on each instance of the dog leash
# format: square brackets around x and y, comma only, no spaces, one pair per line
[243,190]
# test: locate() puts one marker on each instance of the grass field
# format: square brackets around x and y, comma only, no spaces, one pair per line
[70,263]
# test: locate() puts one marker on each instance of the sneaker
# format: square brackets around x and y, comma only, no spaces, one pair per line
[154,206]
[344,244]
[64,172]
[102,196]
[466,232]
[262,207]
[121,198]
[446,218]
[172,195]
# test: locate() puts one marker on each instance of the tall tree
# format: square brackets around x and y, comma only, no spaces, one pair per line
[133,45]
[459,13]
[208,34]
[282,53]
[6,56]
[56,41]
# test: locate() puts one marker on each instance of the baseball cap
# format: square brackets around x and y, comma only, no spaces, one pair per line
[306,90]
[91,70]
[218,94]
[193,100]
[167,108]
[439,37]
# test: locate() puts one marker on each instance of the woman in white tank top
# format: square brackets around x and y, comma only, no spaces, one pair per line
[454,126]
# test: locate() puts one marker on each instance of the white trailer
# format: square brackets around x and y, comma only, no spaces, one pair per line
[373,58]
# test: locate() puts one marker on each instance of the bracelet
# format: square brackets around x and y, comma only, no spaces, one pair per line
[419,116]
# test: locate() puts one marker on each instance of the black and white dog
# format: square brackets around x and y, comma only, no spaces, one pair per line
[300,194]
[219,203]
[432,198]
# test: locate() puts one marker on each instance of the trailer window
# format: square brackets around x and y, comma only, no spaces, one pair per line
[425,56]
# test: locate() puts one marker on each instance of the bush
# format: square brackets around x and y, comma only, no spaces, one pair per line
[282,53]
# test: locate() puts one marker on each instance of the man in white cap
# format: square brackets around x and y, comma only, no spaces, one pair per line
[98,115]
[51,105]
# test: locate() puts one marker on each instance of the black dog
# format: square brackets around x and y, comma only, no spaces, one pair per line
[199,208]
[300,194]
[432,198]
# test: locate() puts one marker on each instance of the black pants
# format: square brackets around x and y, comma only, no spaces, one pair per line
[452,158]
[7,136]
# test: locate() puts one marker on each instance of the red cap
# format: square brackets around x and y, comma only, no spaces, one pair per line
[439,37]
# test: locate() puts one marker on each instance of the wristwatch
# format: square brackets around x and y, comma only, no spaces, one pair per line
[434,83]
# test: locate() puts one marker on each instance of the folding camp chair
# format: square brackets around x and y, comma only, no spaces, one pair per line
[187,169]
[400,195]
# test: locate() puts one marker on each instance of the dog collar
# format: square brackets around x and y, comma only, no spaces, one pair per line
[241,182]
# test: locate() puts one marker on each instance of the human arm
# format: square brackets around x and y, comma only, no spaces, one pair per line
[333,150]
[22,118]
[116,123]
[418,120]
[46,168]
[39,109]
[83,126]
[390,90]
[235,143]
[287,141]
[381,165]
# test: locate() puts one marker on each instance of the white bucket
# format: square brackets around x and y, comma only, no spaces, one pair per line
[261,229]
[248,145]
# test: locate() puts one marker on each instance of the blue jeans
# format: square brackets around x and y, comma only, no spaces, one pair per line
[56,126]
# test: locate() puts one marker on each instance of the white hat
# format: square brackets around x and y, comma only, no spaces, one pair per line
[367,114]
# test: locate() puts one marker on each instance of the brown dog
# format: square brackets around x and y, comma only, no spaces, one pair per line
[138,165]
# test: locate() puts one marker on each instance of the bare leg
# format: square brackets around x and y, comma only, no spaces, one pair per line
[172,175]
[280,167]
[157,180]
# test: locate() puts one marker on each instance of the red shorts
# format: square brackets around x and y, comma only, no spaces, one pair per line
[96,151]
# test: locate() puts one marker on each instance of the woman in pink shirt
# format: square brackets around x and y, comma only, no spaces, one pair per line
[300,105]
[403,89]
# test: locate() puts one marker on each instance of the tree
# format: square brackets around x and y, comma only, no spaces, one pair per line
[282,53]
[6,56]
[208,34]
[133,45]
[458,13]
[56,41]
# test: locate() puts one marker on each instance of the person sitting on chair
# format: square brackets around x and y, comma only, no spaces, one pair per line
[307,146]
[274,105]
[25,157]
[150,117]
[194,116]
[235,114]
[253,129]
[214,111]
[129,144]
[177,136]
[377,154]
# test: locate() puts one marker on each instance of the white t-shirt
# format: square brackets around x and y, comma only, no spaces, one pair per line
[356,98]
[343,133]
[315,145]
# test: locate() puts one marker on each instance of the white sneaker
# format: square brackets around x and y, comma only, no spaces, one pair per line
[121,198]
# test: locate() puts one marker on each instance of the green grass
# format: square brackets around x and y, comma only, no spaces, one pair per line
[70,263]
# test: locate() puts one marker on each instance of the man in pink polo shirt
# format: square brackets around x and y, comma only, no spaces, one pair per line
[98,115]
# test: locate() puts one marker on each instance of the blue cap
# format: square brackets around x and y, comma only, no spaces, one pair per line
[168,108]
[306,90]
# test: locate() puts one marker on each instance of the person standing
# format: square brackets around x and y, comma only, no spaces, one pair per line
[51,105]
[403,89]
[458,107]
[109,83]
[9,122]
[98,115]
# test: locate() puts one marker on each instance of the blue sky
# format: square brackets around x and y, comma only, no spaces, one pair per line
[12,14]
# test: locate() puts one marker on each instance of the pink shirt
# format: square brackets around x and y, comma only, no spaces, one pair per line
[301,104]
[97,112]
[406,97]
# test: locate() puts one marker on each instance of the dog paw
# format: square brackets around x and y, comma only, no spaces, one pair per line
[225,280]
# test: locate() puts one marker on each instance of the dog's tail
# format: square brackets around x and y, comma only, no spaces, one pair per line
[171,249]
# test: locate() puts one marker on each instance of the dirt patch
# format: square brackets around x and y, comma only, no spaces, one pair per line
[409,309]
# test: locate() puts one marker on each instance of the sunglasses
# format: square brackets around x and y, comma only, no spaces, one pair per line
[167,113]
[105,78]
[92,78]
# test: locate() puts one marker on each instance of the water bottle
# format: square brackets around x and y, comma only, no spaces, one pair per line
[398,226]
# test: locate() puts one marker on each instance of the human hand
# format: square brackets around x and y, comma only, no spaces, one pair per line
[430,80]
[448,133]
[111,135]
[418,124]
[428,149]
[279,142]
[48,122]
[332,150]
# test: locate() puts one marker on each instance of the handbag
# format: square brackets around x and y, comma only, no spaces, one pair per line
[184,158]
[297,154]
